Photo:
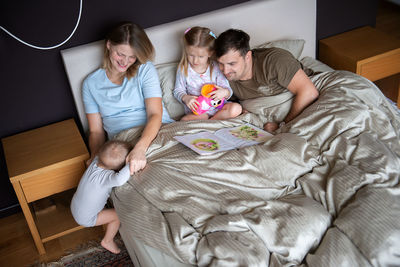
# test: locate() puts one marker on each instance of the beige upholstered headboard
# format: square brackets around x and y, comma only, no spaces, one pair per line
[265,20]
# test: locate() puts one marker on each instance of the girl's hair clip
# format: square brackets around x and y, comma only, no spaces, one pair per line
[213,35]
[188,29]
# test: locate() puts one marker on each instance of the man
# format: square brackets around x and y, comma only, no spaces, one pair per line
[263,72]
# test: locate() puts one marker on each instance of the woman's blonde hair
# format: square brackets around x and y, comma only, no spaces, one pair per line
[197,37]
[133,35]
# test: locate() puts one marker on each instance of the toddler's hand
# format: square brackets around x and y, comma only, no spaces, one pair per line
[191,101]
[219,93]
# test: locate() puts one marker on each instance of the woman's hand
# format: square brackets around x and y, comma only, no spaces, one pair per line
[87,163]
[191,101]
[219,93]
[136,159]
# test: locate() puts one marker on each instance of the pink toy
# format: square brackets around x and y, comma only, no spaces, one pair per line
[205,102]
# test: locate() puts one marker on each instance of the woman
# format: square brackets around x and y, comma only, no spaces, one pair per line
[124,93]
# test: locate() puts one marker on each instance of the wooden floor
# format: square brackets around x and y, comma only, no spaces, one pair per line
[17,247]
[16,243]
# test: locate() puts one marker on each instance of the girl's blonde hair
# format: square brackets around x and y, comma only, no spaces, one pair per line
[197,37]
[133,35]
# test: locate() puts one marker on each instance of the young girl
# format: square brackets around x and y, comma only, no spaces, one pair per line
[195,69]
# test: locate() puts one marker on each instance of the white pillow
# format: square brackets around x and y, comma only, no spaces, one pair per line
[294,46]
[167,74]
[315,64]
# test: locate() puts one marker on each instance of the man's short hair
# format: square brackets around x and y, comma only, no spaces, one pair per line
[232,39]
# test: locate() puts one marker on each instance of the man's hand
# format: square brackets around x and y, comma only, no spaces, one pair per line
[271,127]
[219,93]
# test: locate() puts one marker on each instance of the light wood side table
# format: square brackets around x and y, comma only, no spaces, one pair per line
[43,162]
[365,51]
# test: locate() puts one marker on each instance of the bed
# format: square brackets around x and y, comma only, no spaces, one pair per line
[324,191]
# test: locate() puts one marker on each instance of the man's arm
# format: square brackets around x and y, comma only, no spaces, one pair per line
[305,93]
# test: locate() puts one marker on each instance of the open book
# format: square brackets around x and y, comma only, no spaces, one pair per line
[224,139]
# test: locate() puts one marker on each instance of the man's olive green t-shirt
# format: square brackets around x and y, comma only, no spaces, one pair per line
[273,69]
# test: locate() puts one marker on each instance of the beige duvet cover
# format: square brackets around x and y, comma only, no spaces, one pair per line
[324,191]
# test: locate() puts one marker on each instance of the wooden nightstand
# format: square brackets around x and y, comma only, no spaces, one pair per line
[365,51]
[43,162]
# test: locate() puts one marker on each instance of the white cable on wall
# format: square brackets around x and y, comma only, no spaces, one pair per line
[50,47]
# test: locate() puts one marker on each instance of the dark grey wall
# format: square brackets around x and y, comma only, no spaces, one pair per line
[334,17]
[34,89]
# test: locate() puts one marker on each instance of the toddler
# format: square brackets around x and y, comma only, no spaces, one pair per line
[106,171]
[197,68]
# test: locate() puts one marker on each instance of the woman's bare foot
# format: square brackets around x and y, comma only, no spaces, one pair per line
[110,246]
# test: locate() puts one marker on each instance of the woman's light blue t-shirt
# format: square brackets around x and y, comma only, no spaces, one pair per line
[122,106]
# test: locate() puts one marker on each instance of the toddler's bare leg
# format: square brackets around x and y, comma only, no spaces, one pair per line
[228,111]
[192,117]
[109,217]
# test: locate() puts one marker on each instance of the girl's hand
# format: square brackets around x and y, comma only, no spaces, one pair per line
[191,101]
[220,93]
[136,159]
